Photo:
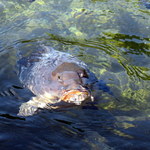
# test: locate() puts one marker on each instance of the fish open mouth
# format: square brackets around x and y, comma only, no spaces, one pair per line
[75,96]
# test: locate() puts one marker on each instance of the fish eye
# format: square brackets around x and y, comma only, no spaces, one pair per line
[82,75]
[59,79]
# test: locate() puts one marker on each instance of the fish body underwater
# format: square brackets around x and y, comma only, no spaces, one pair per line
[57,79]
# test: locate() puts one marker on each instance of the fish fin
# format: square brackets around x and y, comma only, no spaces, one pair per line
[30,108]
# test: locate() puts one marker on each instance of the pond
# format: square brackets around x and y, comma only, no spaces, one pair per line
[112,38]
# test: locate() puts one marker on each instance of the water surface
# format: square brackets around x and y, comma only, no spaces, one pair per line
[113,38]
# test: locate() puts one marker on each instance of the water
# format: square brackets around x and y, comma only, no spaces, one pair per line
[112,37]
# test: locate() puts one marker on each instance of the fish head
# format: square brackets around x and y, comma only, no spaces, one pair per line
[69,79]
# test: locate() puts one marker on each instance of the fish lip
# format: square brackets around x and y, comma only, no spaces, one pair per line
[77,99]
[82,91]
[66,91]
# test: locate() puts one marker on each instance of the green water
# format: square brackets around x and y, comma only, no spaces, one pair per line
[111,36]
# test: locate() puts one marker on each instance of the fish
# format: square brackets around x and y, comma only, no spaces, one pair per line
[57,79]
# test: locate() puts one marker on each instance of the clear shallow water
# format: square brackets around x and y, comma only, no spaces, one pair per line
[112,37]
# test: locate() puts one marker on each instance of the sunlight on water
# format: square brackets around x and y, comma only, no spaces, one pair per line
[112,38]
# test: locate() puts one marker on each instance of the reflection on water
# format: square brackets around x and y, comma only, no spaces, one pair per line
[112,37]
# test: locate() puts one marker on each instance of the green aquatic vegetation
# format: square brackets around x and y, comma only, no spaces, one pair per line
[147,12]
[13,9]
[130,93]
[78,19]
[133,44]
[81,19]
[41,2]
[109,46]
[122,55]
[137,97]
[99,0]
[77,32]
[137,71]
